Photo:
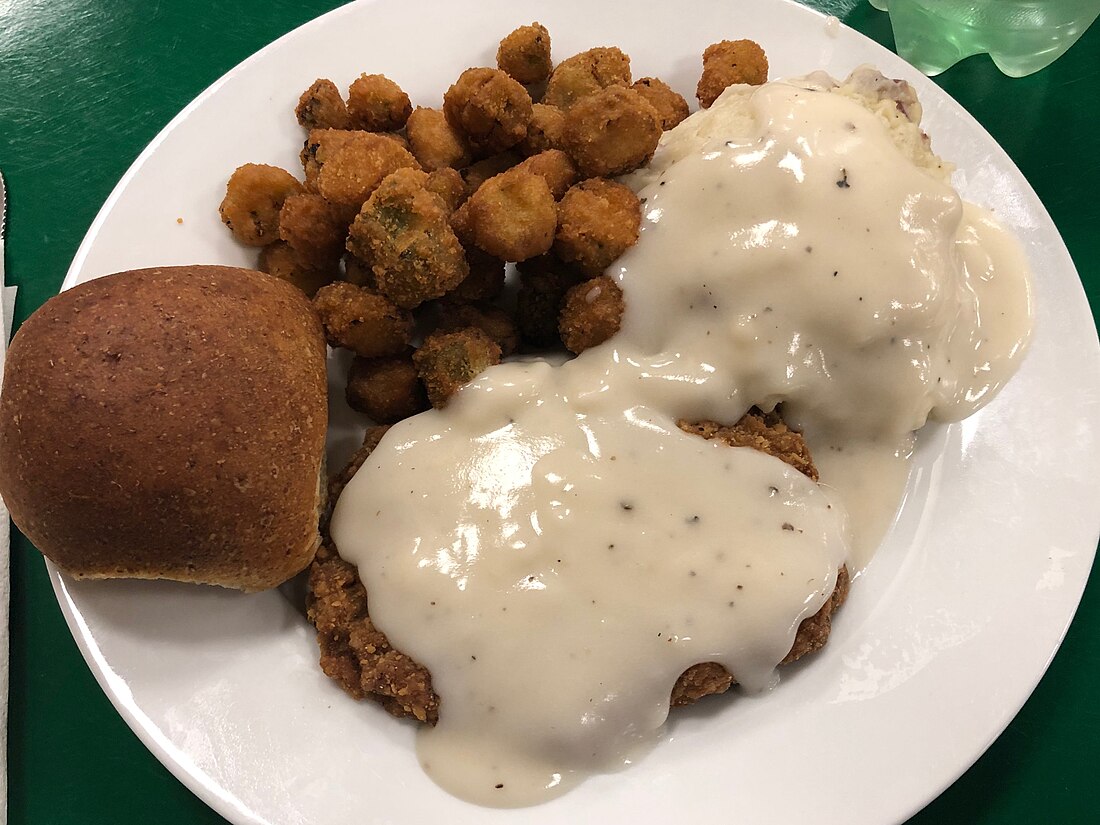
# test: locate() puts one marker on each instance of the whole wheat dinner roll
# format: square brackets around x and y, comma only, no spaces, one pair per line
[169,424]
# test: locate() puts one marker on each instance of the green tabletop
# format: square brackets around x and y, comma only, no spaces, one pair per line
[86,84]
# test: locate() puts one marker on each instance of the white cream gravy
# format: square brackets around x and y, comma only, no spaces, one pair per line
[556,552]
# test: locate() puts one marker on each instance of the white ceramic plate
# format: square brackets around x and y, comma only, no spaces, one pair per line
[940,644]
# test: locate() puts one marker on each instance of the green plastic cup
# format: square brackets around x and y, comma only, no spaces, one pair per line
[1022,36]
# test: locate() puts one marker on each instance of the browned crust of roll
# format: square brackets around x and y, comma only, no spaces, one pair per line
[169,423]
[361,660]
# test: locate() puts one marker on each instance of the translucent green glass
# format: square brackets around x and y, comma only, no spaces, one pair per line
[1022,36]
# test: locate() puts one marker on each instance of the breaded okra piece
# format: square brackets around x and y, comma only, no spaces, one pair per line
[404,234]
[598,220]
[363,321]
[591,313]
[386,389]
[253,199]
[447,360]
[525,54]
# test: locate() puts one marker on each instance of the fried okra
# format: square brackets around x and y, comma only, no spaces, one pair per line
[377,104]
[670,105]
[345,167]
[525,54]
[314,228]
[543,130]
[727,63]
[583,74]
[477,173]
[462,224]
[322,107]
[447,360]
[403,233]
[485,281]
[386,389]
[590,314]
[434,142]
[363,321]
[490,108]
[513,215]
[543,282]
[358,272]
[399,139]
[493,321]
[553,166]
[449,186]
[280,260]
[611,132]
[598,220]
[321,144]
[253,199]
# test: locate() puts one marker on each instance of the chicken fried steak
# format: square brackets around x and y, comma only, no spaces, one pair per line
[359,657]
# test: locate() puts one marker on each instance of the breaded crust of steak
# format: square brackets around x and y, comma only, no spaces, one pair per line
[708,678]
[359,657]
[339,481]
[768,433]
[354,652]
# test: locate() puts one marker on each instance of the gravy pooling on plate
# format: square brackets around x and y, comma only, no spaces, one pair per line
[557,552]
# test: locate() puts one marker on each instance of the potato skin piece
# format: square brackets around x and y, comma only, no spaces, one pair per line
[363,321]
[611,132]
[490,108]
[598,220]
[591,313]
[253,199]
[513,216]
[586,73]
[377,104]
[727,63]
[524,54]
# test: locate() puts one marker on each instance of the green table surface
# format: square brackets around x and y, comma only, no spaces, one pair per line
[86,84]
